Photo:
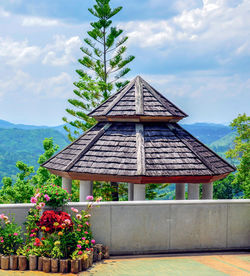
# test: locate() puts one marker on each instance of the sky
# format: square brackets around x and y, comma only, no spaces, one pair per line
[196,53]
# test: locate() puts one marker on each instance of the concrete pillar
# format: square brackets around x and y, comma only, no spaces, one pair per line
[86,188]
[130,191]
[139,191]
[67,184]
[193,191]
[180,191]
[207,191]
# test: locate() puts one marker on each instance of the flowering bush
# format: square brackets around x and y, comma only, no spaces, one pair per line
[50,195]
[52,221]
[10,237]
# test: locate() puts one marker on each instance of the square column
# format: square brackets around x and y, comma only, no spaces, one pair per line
[86,188]
[67,184]
[130,191]
[207,191]
[180,191]
[193,191]
[139,191]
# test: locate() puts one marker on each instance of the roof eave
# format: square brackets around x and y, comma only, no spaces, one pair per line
[139,179]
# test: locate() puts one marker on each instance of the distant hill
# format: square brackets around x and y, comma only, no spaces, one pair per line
[207,132]
[24,145]
[24,142]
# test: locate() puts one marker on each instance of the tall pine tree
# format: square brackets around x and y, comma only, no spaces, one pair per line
[104,67]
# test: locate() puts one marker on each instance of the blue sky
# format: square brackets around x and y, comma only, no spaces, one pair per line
[194,52]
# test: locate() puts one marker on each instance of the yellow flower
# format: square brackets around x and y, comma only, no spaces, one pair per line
[43,228]
[85,257]
[60,233]
[87,241]
[55,223]
[57,243]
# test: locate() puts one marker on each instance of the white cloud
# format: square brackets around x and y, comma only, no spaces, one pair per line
[39,22]
[18,52]
[62,51]
[4,13]
[21,83]
[212,27]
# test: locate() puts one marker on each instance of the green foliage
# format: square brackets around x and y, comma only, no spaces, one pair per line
[10,237]
[223,189]
[23,186]
[241,152]
[22,189]
[52,195]
[103,56]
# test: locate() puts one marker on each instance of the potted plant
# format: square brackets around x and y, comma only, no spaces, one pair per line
[10,239]
[50,197]
[56,255]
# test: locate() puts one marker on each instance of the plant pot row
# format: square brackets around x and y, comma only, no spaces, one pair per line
[47,265]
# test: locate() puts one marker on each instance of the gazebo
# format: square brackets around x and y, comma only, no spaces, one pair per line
[137,140]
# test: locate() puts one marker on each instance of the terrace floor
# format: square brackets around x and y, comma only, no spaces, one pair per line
[175,264]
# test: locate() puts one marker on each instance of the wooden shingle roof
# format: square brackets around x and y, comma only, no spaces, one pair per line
[150,152]
[138,102]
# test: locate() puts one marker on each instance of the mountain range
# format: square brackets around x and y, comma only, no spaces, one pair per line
[20,142]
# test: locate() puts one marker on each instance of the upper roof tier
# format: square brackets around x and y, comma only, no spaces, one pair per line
[138,102]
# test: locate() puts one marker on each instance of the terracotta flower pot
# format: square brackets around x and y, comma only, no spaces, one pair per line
[46,265]
[40,264]
[13,262]
[106,252]
[95,251]
[74,266]
[85,264]
[64,266]
[80,264]
[32,262]
[5,262]
[22,263]
[54,265]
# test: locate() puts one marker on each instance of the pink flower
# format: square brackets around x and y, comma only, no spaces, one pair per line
[87,216]
[2,241]
[42,204]
[33,200]
[93,241]
[47,197]
[87,249]
[2,216]
[74,210]
[67,221]
[15,234]
[83,238]
[79,246]
[31,235]
[79,216]
[37,195]
[86,232]
[89,197]
[87,223]
[79,253]
[38,207]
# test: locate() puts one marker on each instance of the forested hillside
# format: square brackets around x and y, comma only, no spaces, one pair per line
[24,142]
[25,145]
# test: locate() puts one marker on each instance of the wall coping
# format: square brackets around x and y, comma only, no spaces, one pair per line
[140,203]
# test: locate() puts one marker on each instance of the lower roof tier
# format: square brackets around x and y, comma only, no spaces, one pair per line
[139,153]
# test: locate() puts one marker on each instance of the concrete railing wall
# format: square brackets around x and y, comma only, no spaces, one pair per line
[164,226]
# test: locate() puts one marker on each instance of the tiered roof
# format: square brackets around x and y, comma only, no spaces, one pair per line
[138,140]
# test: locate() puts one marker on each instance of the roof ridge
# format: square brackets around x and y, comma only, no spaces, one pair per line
[88,146]
[204,161]
[112,96]
[117,99]
[85,133]
[141,163]
[232,166]
[157,95]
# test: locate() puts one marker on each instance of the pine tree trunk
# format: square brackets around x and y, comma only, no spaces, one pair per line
[114,190]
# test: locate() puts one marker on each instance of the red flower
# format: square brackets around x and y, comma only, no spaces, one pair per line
[48,219]
[43,239]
